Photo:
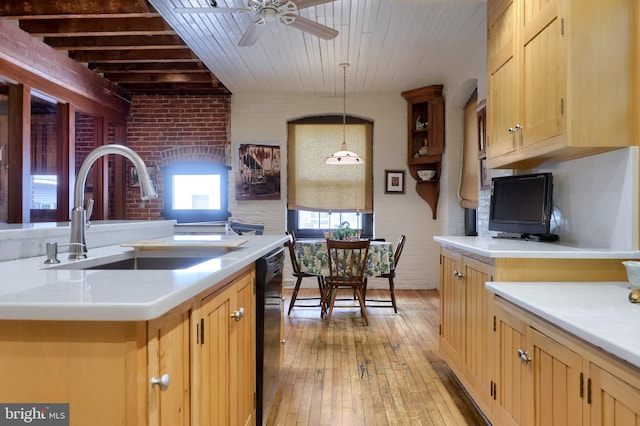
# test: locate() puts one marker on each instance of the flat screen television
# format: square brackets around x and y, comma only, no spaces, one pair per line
[521,206]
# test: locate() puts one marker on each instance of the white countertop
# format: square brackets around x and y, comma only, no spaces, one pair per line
[509,248]
[31,290]
[597,312]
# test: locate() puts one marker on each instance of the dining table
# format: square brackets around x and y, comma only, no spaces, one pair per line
[312,257]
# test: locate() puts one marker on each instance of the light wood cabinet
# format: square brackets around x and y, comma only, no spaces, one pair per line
[539,379]
[481,347]
[226,354]
[169,369]
[154,373]
[465,333]
[547,376]
[555,91]
[613,400]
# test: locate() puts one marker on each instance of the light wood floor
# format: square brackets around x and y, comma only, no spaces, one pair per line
[389,373]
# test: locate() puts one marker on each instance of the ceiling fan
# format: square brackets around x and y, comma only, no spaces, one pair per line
[268,11]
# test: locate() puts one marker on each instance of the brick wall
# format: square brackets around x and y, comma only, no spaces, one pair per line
[169,129]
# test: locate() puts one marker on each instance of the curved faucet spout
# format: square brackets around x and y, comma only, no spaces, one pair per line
[78,247]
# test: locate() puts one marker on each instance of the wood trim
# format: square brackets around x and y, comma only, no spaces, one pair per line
[66,144]
[26,60]
[19,153]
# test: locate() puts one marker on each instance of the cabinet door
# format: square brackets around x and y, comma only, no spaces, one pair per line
[451,308]
[168,354]
[556,382]
[227,355]
[542,72]
[243,353]
[510,393]
[613,401]
[478,329]
[503,94]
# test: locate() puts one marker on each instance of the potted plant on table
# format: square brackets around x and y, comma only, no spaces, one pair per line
[344,232]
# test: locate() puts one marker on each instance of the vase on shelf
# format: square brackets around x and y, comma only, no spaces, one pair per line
[424,149]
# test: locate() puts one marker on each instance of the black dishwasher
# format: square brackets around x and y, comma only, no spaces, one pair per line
[268,323]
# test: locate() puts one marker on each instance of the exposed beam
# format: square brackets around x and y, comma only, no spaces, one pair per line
[123,56]
[133,42]
[96,27]
[84,8]
[173,88]
[152,67]
[161,78]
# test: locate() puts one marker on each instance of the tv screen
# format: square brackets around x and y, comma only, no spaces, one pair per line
[196,192]
[521,206]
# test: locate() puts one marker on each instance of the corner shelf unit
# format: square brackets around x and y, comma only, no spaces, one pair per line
[425,121]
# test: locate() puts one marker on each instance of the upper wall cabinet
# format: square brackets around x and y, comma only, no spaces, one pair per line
[425,118]
[562,79]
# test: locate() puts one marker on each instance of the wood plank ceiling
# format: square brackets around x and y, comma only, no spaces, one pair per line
[126,41]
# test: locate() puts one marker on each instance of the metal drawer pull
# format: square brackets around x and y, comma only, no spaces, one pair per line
[162,382]
[237,315]
[524,356]
[458,274]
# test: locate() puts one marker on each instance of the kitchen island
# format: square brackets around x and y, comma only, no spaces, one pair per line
[133,347]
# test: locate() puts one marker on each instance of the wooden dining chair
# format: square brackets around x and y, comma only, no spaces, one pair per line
[299,277]
[390,303]
[347,267]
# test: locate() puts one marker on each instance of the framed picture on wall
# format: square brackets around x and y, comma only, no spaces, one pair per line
[394,181]
[485,182]
[135,180]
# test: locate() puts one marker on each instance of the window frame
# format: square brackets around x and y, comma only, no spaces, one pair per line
[367,218]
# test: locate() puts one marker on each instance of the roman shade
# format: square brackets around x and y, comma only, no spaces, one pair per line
[314,185]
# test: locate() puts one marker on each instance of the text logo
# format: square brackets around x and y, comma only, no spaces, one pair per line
[34,414]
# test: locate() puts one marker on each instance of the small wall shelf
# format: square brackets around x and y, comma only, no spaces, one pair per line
[425,121]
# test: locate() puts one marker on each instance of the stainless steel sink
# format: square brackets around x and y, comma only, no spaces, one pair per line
[160,260]
[153,263]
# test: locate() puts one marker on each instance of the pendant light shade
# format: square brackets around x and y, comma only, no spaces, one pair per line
[344,157]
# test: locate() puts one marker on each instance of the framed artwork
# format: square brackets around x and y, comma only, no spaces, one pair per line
[481,111]
[394,181]
[485,182]
[258,172]
[134,180]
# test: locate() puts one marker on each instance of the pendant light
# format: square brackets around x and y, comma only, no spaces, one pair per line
[344,157]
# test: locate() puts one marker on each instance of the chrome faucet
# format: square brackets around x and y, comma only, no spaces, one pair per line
[80,214]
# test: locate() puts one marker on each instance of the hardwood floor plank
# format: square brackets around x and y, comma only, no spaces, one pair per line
[387,373]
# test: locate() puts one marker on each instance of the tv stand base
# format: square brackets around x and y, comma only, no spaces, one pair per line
[547,238]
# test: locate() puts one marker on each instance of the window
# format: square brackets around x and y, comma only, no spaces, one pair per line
[196,192]
[320,197]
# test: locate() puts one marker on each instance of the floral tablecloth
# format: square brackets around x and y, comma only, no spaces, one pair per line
[313,257]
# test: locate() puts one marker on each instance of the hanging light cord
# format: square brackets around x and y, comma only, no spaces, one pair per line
[344,105]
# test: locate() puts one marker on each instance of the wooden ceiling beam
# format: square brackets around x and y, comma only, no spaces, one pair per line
[116,42]
[151,67]
[84,8]
[136,56]
[161,78]
[175,89]
[96,27]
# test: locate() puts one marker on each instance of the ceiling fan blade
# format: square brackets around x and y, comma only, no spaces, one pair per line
[302,4]
[309,26]
[252,34]
[206,10]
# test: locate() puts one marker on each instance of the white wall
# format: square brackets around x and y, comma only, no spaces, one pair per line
[263,119]
[597,198]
